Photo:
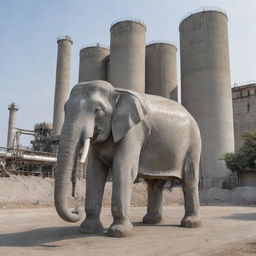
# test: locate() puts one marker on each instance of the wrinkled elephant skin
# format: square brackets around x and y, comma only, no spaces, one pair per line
[131,134]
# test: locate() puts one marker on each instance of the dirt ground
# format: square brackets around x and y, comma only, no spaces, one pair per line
[229,223]
[226,231]
[27,192]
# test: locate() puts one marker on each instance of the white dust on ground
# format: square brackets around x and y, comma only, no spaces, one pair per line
[23,191]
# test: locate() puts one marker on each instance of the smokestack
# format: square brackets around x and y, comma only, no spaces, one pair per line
[62,82]
[12,125]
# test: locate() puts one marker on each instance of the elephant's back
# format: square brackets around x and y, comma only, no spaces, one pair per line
[161,108]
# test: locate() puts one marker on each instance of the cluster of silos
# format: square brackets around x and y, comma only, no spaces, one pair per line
[206,88]
[205,77]
[130,64]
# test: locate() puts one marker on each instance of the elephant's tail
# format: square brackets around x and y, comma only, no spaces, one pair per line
[190,170]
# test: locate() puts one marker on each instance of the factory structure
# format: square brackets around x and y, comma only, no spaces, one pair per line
[244,110]
[222,114]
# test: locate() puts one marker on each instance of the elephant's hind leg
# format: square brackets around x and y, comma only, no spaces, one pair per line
[96,176]
[191,195]
[155,201]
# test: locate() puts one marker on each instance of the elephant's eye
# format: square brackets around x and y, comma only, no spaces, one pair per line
[98,110]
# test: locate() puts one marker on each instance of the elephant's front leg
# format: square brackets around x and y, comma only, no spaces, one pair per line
[96,176]
[125,169]
[155,201]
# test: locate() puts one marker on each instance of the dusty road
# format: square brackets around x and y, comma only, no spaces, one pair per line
[226,231]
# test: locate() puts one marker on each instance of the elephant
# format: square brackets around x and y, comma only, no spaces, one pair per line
[132,135]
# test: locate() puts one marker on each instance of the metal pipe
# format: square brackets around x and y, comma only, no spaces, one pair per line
[48,159]
[23,131]
[40,158]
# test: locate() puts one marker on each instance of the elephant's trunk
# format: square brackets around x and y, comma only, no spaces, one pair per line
[70,140]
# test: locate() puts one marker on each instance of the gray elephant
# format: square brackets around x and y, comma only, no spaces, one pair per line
[132,134]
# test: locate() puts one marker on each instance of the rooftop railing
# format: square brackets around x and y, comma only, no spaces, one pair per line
[204,9]
[250,82]
[161,42]
[64,38]
[128,19]
[94,45]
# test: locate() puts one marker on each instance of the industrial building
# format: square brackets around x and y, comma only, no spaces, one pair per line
[244,110]
[38,159]
[130,63]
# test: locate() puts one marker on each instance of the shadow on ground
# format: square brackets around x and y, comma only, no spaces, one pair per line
[41,236]
[242,216]
[137,224]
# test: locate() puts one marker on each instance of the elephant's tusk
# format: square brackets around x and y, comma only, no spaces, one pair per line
[85,151]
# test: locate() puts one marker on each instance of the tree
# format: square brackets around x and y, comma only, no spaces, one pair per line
[245,158]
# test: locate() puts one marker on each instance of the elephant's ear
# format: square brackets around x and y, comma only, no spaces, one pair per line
[129,111]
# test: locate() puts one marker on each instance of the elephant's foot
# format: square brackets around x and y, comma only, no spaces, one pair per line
[91,226]
[153,219]
[191,222]
[121,228]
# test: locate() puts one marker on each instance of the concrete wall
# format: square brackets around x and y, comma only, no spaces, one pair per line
[93,64]
[205,88]
[161,70]
[247,178]
[62,82]
[127,55]
[13,108]
[244,110]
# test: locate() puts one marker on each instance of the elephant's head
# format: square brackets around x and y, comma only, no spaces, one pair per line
[94,112]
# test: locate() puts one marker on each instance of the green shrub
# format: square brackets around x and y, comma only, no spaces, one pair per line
[245,158]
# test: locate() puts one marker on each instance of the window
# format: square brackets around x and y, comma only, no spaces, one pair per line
[248,106]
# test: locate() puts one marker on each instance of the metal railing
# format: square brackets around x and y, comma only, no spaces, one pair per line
[204,9]
[128,19]
[65,38]
[95,45]
[161,42]
[235,84]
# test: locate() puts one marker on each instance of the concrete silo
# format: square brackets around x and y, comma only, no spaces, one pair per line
[161,70]
[127,55]
[206,87]
[62,82]
[13,108]
[93,63]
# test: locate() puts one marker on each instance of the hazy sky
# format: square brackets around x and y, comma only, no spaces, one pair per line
[29,29]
